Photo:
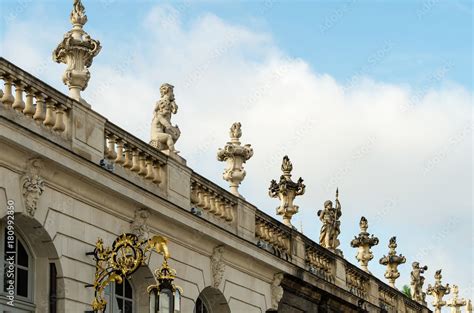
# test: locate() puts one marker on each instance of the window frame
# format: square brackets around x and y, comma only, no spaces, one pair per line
[111,296]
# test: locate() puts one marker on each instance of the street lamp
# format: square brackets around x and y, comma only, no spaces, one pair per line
[165,297]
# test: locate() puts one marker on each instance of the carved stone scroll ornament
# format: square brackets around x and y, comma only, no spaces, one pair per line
[217,266]
[286,190]
[417,281]
[139,225]
[277,291]
[163,134]
[32,186]
[235,155]
[77,50]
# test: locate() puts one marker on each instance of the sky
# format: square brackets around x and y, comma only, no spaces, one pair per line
[373,97]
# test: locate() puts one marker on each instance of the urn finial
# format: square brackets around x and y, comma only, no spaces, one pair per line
[77,50]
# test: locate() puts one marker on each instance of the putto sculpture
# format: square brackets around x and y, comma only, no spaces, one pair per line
[331,227]
[456,303]
[163,134]
[286,190]
[438,291]
[235,155]
[77,50]
[392,261]
[417,281]
[364,242]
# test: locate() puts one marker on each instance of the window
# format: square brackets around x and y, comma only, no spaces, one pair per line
[119,298]
[200,307]
[17,264]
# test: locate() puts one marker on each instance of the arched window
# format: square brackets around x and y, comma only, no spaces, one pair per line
[119,298]
[200,306]
[17,274]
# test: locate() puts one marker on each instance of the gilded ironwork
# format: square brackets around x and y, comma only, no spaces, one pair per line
[120,261]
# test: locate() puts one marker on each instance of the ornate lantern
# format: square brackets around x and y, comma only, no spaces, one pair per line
[165,297]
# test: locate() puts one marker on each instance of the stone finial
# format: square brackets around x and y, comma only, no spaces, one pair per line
[456,303]
[277,291]
[32,186]
[331,227]
[217,266]
[286,190]
[392,261]
[235,155]
[77,50]
[417,281]
[438,291]
[364,242]
[163,134]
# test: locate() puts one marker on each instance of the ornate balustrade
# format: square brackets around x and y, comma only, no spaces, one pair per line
[357,281]
[33,100]
[133,155]
[387,299]
[212,200]
[273,235]
[320,262]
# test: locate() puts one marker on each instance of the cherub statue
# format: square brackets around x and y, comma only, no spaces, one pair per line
[417,281]
[163,134]
[330,229]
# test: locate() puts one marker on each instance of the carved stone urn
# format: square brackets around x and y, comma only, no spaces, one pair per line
[364,242]
[235,155]
[456,303]
[286,190]
[77,50]
[438,291]
[392,261]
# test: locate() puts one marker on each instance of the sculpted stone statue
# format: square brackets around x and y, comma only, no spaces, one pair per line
[163,134]
[330,229]
[417,282]
[438,291]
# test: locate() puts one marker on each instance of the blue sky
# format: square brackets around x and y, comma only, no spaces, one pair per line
[373,97]
[335,37]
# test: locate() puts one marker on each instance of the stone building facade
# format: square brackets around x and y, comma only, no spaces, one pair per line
[69,176]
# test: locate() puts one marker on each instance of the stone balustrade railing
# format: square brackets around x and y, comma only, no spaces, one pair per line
[320,262]
[212,201]
[357,281]
[34,100]
[273,235]
[135,157]
[387,299]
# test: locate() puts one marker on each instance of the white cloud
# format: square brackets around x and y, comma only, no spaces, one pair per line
[400,156]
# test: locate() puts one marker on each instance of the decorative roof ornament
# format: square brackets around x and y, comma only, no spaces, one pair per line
[286,190]
[438,291]
[456,303]
[331,227]
[417,281]
[77,50]
[235,155]
[163,134]
[364,242]
[392,261]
